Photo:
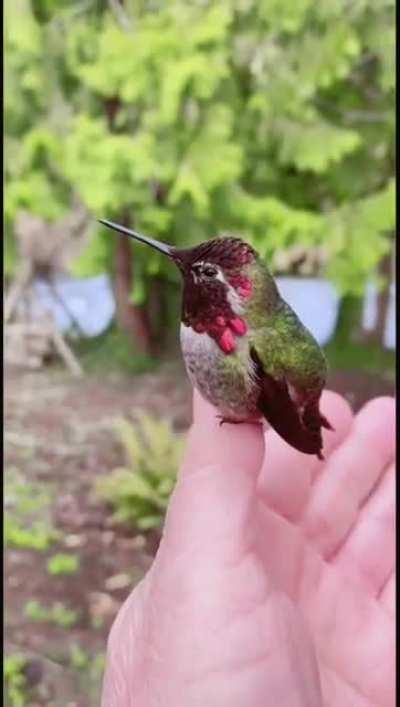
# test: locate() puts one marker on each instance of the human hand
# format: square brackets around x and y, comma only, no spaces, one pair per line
[267,584]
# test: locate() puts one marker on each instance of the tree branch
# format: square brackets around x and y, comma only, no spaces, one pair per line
[120,15]
[364,116]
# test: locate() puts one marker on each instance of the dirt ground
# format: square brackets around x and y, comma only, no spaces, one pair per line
[58,440]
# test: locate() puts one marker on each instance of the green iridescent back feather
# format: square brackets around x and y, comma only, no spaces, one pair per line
[284,345]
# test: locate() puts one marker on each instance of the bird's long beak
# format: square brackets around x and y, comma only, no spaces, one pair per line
[162,247]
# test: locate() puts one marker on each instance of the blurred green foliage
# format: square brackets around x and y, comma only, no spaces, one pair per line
[371,358]
[62,564]
[271,118]
[15,681]
[57,614]
[112,352]
[348,351]
[139,492]
[79,659]
[38,536]
[89,670]
[27,524]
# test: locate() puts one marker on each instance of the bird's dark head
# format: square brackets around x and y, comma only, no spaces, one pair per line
[218,284]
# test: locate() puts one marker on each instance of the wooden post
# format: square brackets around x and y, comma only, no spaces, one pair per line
[66,353]
[20,284]
[386,271]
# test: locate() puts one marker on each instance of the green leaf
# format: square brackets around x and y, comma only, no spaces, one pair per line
[315,146]
[140,493]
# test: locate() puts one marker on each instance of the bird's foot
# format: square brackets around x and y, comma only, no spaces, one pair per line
[227,420]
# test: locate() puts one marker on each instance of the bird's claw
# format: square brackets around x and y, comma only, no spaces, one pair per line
[227,420]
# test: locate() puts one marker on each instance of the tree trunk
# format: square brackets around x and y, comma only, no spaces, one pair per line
[349,322]
[158,313]
[130,318]
[133,320]
[385,270]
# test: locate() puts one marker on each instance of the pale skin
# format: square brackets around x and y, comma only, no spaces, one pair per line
[274,582]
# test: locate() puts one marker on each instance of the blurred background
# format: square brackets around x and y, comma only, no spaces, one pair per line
[271,119]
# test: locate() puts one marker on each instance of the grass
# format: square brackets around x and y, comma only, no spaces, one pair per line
[15,680]
[112,351]
[26,498]
[79,659]
[37,536]
[26,526]
[370,358]
[89,670]
[63,564]
[57,614]
[347,352]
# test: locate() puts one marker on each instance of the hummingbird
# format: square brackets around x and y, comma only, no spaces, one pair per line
[244,348]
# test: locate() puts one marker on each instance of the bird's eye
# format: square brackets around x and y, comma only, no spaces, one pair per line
[209,271]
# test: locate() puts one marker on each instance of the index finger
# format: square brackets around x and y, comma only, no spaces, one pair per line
[287,477]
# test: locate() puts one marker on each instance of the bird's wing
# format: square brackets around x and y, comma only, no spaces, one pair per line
[281,411]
